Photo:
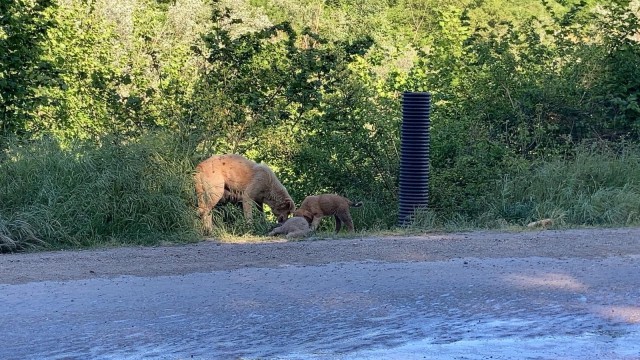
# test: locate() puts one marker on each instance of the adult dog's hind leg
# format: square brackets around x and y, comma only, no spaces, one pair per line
[209,190]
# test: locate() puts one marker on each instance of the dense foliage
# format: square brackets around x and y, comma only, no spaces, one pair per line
[98,91]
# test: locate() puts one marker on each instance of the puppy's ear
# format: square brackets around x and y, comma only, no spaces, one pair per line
[305,214]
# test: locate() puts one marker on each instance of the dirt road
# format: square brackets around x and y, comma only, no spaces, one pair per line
[210,256]
[500,295]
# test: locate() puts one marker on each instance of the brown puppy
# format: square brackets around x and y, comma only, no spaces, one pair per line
[296,226]
[234,178]
[314,208]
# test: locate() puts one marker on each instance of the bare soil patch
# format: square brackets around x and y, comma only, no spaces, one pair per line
[212,255]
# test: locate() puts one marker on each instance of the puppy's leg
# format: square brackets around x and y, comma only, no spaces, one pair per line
[338,223]
[276,231]
[315,222]
[346,219]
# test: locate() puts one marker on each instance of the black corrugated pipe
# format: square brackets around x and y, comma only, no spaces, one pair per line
[414,155]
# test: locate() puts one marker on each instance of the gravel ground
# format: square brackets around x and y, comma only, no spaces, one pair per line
[211,255]
[554,294]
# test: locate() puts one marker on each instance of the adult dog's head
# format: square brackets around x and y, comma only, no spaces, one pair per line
[283,210]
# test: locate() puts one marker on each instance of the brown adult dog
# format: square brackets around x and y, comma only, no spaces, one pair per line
[234,178]
[314,208]
[296,226]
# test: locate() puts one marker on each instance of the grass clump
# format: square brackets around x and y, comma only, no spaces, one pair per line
[596,185]
[599,186]
[229,224]
[16,235]
[83,194]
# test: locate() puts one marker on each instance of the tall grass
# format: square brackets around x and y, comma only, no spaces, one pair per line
[599,186]
[74,195]
[81,194]
[229,225]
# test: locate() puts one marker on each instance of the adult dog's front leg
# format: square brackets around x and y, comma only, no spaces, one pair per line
[247,207]
[248,201]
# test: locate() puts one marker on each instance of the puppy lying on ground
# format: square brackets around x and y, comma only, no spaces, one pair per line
[314,208]
[294,227]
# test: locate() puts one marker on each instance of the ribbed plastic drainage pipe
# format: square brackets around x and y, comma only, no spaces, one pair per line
[414,155]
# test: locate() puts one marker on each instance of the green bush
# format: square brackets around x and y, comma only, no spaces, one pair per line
[512,96]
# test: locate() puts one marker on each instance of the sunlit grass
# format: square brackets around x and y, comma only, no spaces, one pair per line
[596,188]
[81,195]
[230,226]
[85,196]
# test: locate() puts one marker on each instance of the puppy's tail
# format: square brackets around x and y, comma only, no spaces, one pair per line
[355,204]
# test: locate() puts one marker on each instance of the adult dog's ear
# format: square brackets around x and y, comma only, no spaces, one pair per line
[287,206]
[292,206]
